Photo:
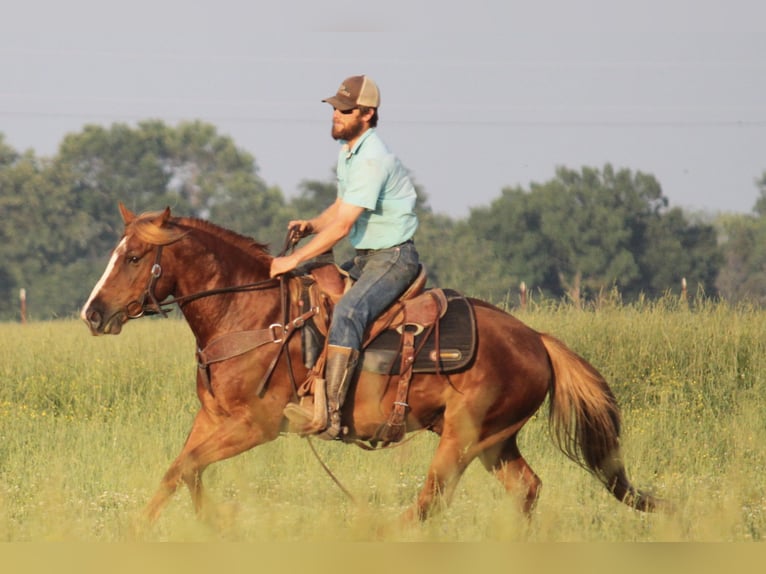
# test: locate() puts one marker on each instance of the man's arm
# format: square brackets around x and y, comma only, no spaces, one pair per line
[315,224]
[332,225]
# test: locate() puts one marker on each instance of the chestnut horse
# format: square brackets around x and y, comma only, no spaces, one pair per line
[220,281]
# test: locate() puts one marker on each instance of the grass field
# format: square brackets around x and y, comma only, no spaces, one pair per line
[89,425]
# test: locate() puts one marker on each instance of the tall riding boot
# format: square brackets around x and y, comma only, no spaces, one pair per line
[339,371]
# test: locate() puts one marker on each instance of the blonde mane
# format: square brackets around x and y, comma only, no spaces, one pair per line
[153,228]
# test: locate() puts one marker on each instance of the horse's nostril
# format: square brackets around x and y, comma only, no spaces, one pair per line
[93,317]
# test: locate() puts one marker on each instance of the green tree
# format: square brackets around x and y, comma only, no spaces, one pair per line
[314,197]
[190,167]
[40,234]
[743,243]
[8,155]
[455,257]
[510,229]
[587,231]
[60,216]
[760,205]
[677,249]
[743,274]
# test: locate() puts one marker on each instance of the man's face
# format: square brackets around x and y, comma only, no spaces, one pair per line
[347,125]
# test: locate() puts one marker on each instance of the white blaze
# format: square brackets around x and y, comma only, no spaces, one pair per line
[118,252]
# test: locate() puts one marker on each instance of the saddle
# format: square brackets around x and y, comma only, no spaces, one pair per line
[441,320]
[424,331]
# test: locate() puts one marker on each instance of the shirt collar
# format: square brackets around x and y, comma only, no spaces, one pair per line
[359,142]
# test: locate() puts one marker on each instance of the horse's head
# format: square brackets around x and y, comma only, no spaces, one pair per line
[133,279]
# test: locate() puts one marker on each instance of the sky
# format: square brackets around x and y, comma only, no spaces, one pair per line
[475,96]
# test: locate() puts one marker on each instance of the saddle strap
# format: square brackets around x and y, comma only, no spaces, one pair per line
[230,345]
[394,428]
[287,331]
[234,344]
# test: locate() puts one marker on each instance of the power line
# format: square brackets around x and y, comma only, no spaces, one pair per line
[442,121]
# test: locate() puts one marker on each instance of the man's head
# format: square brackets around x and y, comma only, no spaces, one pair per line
[355,107]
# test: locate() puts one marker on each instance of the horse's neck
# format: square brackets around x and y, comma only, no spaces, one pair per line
[210,266]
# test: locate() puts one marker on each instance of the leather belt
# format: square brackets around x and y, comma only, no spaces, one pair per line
[370,251]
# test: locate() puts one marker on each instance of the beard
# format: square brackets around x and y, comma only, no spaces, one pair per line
[349,131]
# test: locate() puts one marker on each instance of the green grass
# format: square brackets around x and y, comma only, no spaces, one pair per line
[89,425]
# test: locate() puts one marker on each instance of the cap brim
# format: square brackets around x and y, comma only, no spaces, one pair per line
[340,103]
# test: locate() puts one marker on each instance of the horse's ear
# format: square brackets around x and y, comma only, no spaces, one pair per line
[127,215]
[163,217]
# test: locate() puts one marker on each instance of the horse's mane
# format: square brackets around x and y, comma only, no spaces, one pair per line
[152,228]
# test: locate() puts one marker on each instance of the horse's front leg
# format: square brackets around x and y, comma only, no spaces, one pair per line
[212,438]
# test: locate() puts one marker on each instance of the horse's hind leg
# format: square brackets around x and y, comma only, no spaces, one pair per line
[444,473]
[451,458]
[510,468]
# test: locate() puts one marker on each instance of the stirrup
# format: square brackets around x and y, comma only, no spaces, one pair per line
[306,420]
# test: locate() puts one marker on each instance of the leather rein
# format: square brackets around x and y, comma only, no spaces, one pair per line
[231,344]
[140,307]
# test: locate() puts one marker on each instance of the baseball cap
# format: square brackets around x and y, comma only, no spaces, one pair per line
[355,91]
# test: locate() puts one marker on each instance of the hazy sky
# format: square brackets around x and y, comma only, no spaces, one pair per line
[475,97]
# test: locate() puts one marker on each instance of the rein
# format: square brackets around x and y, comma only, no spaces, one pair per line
[278,333]
[291,240]
[156,308]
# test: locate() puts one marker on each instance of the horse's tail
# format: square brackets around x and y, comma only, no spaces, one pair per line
[585,422]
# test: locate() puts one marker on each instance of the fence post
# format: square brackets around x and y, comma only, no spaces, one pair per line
[23,302]
[523,295]
[683,289]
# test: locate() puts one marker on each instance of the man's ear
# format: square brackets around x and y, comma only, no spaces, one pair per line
[367,116]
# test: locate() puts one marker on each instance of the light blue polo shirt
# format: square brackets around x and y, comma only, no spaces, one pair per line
[370,176]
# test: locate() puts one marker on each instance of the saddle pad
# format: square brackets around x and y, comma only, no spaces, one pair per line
[457,343]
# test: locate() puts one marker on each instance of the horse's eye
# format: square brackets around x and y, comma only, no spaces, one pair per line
[133,259]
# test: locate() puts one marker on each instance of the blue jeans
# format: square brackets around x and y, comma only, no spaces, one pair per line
[381,276]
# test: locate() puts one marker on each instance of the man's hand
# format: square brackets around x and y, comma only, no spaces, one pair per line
[281,265]
[301,227]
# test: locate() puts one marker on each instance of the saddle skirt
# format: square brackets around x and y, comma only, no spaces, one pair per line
[447,347]
[441,320]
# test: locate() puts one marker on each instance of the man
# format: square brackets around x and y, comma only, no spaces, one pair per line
[374,208]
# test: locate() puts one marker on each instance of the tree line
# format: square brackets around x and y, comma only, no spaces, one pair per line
[575,236]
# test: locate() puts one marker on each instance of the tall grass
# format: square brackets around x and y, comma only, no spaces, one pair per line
[89,425]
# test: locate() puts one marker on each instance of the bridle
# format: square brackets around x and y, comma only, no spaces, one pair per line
[140,305]
[149,304]
[280,333]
